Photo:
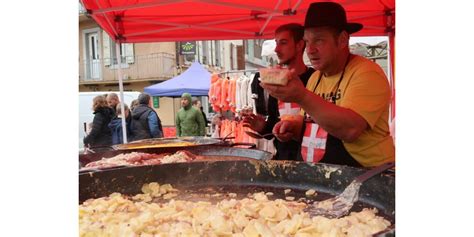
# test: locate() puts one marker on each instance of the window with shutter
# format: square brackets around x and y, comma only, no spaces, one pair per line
[113,53]
[91,54]
[106,48]
[257,49]
[218,54]
[129,56]
[240,57]
[205,52]
[232,57]
[110,56]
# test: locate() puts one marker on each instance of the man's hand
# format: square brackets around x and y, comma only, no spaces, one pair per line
[255,122]
[285,130]
[294,91]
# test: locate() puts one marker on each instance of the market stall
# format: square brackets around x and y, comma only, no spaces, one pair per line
[180,20]
[177,20]
[196,80]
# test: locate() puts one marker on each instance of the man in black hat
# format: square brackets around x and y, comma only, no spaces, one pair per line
[346,101]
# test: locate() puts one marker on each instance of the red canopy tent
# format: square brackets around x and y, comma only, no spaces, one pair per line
[179,20]
[137,21]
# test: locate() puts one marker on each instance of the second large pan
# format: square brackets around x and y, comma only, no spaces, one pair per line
[243,177]
[169,142]
[204,150]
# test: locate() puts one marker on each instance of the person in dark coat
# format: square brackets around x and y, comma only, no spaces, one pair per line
[198,106]
[100,134]
[116,125]
[145,121]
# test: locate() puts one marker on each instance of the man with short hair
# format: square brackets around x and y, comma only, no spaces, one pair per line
[189,121]
[133,104]
[346,101]
[145,121]
[289,49]
[112,100]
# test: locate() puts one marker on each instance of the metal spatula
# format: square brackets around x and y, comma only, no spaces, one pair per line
[341,204]
[258,136]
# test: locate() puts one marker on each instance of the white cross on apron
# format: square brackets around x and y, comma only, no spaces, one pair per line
[288,108]
[313,145]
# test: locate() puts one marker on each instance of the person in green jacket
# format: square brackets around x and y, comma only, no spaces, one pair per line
[189,121]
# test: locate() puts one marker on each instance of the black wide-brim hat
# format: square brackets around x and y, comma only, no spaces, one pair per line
[329,14]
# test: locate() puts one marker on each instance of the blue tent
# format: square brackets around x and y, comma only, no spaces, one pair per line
[196,80]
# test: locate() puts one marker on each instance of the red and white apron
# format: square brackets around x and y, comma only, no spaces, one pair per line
[288,108]
[314,141]
[318,145]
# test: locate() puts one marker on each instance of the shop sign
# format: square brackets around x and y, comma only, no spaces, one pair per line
[187,48]
[156,102]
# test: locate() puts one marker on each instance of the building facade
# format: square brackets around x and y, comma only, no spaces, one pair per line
[145,64]
[142,64]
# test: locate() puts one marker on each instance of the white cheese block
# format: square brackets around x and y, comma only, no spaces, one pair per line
[276,76]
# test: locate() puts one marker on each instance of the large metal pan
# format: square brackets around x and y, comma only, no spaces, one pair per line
[168,142]
[246,176]
[213,151]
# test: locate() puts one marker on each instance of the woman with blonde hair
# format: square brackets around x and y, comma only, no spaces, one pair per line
[100,134]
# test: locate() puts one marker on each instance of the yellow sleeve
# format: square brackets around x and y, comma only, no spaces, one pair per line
[368,95]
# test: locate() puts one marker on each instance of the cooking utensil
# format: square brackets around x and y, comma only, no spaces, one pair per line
[259,136]
[87,150]
[341,204]
[228,136]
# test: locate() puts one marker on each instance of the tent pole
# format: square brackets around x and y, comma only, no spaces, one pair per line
[269,18]
[391,43]
[139,20]
[181,25]
[122,101]
[241,6]
[135,6]
[295,7]
[391,40]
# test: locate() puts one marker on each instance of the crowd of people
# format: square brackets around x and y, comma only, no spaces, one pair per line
[142,121]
